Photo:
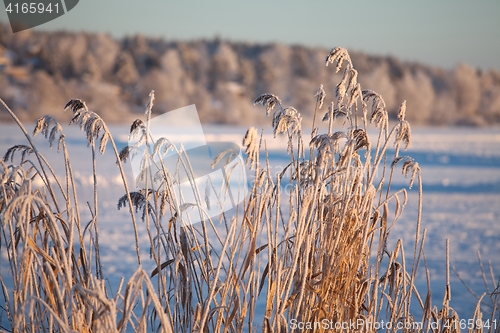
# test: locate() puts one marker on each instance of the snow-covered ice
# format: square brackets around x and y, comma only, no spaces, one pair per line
[461,182]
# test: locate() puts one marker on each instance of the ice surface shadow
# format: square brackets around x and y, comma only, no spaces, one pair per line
[493,187]
[422,157]
[279,160]
[456,160]
[477,188]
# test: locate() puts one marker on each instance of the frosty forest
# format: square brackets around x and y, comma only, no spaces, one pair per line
[40,71]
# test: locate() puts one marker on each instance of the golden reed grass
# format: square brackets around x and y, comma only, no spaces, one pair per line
[318,250]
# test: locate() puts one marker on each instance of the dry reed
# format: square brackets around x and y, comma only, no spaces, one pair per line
[316,251]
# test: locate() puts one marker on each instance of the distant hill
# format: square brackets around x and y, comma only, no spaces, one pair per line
[40,71]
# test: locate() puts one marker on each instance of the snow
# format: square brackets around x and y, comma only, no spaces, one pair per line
[461,182]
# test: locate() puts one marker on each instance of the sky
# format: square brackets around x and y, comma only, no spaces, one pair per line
[441,33]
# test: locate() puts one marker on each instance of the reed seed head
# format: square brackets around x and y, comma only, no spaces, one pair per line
[269,101]
[320,96]
[252,147]
[338,55]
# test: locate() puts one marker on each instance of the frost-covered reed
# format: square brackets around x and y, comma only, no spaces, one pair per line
[318,250]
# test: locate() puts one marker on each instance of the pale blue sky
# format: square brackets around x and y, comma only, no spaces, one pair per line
[442,33]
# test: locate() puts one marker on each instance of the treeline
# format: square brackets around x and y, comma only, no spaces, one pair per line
[40,71]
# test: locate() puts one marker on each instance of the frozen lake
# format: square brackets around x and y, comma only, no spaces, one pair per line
[461,181]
